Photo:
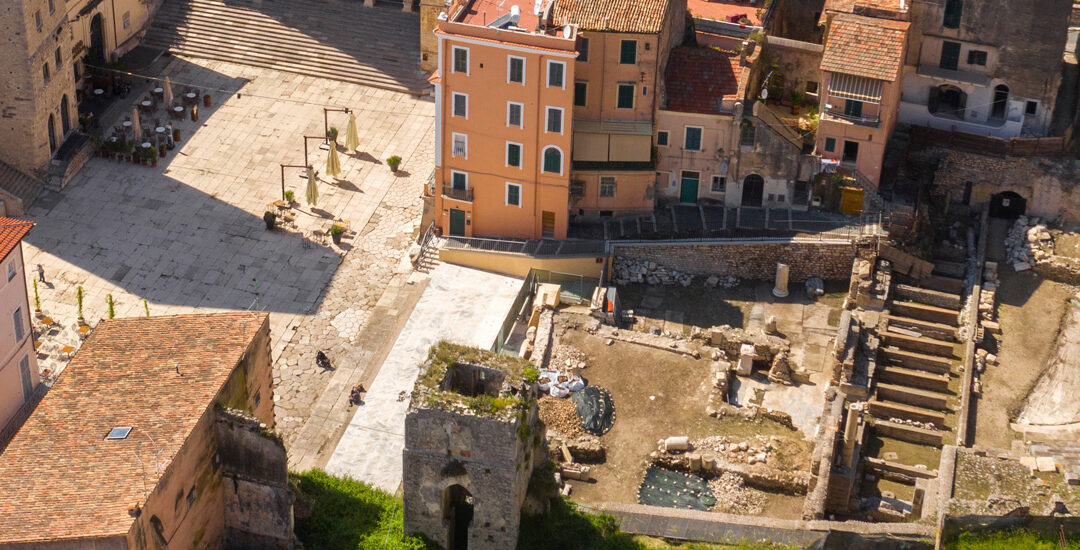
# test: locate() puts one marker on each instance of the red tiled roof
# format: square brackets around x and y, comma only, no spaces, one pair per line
[865,46]
[60,478]
[698,79]
[11,232]
[637,16]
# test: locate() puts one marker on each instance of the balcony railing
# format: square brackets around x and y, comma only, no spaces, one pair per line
[869,122]
[464,195]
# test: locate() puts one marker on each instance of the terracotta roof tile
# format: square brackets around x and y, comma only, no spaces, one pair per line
[60,477]
[639,16]
[865,46]
[698,79]
[11,232]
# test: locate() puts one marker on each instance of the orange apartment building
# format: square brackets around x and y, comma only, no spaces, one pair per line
[19,377]
[546,112]
[862,68]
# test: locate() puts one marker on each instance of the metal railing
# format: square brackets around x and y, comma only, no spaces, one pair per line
[869,122]
[531,247]
[465,195]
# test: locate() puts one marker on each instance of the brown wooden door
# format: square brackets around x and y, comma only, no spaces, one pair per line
[547,224]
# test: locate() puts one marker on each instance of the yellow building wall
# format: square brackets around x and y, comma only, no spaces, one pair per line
[13,295]
[602,73]
[518,265]
[634,192]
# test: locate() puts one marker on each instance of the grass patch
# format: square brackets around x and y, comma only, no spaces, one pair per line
[349,515]
[1010,540]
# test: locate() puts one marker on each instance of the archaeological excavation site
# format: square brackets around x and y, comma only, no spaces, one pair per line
[897,386]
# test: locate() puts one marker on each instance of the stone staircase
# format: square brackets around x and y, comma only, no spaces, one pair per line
[344,41]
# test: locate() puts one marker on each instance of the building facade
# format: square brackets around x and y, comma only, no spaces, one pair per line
[156,435]
[45,44]
[546,112]
[987,68]
[19,377]
[862,71]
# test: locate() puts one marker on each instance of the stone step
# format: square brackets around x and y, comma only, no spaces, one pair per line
[913,396]
[915,360]
[920,344]
[925,312]
[939,331]
[913,378]
[180,43]
[943,283]
[911,434]
[333,41]
[885,409]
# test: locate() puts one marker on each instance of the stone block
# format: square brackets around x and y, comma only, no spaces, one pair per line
[1046,464]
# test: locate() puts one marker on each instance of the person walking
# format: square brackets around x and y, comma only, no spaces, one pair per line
[41,273]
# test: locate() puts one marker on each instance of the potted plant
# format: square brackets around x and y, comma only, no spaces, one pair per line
[393,162]
[796,101]
[206,100]
[290,197]
[150,155]
[335,233]
[332,134]
[271,220]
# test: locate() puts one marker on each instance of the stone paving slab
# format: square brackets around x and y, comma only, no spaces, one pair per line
[461,305]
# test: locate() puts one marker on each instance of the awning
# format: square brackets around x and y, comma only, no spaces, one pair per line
[859,88]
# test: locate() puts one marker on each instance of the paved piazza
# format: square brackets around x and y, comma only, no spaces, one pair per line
[188,235]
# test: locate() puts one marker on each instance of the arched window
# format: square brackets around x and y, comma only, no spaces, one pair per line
[65,118]
[947,100]
[52,134]
[552,160]
[753,190]
[1001,102]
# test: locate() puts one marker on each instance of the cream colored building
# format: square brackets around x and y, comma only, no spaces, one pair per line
[18,363]
[42,53]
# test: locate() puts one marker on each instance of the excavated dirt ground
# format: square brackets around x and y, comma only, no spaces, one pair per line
[658,394]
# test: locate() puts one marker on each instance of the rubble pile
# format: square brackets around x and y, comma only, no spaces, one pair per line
[1029,242]
[721,384]
[916,423]
[630,270]
[565,358]
[733,497]
[722,281]
[988,296]
[753,451]
[560,416]
[731,339]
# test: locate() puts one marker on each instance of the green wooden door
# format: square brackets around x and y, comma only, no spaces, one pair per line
[457,222]
[688,190]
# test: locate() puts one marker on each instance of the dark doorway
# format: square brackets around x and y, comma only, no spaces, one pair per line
[457,222]
[52,134]
[65,119]
[753,190]
[1007,205]
[851,151]
[97,40]
[457,515]
[947,100]
[1001,102]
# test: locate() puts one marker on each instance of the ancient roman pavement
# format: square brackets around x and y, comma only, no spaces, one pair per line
[188,236]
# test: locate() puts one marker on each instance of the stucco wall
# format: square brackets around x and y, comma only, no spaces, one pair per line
[13,295]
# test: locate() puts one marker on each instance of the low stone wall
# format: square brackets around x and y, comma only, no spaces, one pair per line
[927,296]
[911,434]
[830,260]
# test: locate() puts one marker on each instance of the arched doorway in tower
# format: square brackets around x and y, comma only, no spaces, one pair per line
[97,39]
[753,190]
[1007,205]
[457,516]
[65,118]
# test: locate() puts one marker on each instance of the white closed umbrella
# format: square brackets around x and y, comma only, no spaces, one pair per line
[136,126]
[352,137]
[312,191]
[168,97]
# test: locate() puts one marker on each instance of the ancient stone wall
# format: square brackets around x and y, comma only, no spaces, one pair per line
[750,260]
[254,469]
[928,297]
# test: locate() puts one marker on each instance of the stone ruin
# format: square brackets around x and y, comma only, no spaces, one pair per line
[471,440]
[1028,243]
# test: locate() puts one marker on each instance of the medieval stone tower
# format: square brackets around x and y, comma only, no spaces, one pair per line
[471,436]
[429,44]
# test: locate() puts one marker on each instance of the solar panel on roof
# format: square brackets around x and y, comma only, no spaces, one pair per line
[120,432]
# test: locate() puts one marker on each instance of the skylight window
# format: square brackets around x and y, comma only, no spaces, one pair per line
[119,432]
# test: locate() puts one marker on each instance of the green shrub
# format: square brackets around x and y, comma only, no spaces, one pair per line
[1010,540]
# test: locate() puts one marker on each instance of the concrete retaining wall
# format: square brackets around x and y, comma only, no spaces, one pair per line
[828,260]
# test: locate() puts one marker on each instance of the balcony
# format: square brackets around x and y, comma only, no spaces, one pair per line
[838,115]
[463,195]
[963,77]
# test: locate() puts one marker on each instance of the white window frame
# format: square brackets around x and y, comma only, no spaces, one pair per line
[506,194]
[521,155]
[463,173]
[453,145]
[547,74]
[666,134]
[547,119]
[453,104]
[509,62]
[701,138]
[543,159]
[600,187]
[453,59]
[521,106]
[723,184]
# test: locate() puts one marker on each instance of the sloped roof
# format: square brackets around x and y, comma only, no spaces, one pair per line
[12,231]
[19,185]
[697,80]
[865,46]
[636,16]
[60,477]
